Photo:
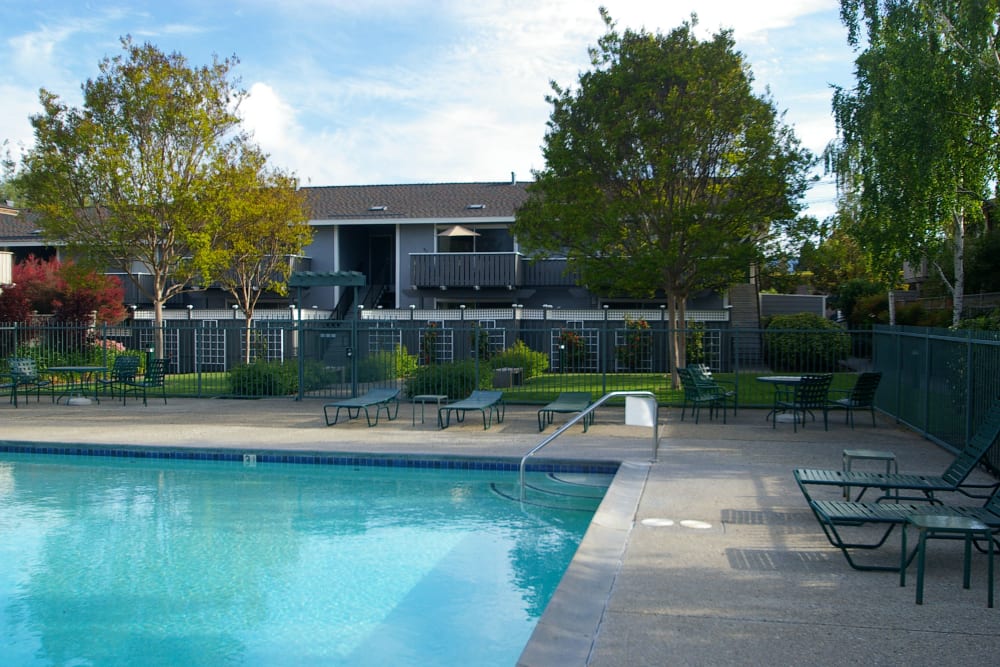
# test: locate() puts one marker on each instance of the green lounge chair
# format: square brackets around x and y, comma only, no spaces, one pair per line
[834,516]
[380,399]
[953,479]
[489,403]
[154,378]
[698,393]
[566,402]
[859,397]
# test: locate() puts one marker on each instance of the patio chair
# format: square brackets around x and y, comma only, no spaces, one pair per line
[566,402]
[953,479]
[24,373]
[704,374]
[805,396]
[489,403]
[154,378]
[698,393]
[835,516]
[380,399]
[859,397]
[124,369]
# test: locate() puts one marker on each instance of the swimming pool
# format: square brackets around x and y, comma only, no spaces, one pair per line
[136,561]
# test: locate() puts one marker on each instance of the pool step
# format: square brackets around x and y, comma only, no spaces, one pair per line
[569,491]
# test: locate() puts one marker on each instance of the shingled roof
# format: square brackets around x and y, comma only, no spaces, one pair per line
[18,228]
[419,201]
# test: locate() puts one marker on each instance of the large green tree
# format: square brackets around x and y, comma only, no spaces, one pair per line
[137,178]
[266,223]
[664,170]
[916,156]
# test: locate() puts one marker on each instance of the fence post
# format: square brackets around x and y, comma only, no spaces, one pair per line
[605,350]
[300,351]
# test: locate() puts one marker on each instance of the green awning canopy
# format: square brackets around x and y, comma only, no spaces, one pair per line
[327,279]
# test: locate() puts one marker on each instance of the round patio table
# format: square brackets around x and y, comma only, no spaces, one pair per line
[77,379]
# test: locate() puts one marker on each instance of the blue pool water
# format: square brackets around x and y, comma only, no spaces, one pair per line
[128,561]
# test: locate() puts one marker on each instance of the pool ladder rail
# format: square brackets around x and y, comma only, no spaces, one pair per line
[576,418]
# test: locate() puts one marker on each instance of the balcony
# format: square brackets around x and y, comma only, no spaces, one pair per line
[485,269]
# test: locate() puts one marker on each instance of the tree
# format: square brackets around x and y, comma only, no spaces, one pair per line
[69,292]
[916,156]
[265,222]
[137,178]
[663,170]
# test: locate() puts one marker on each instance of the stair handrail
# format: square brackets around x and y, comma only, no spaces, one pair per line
[576,418]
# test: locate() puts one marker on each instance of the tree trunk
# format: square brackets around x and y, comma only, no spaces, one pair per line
[958,289]
[247,337]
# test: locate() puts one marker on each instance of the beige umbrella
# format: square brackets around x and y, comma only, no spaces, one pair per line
[458,230]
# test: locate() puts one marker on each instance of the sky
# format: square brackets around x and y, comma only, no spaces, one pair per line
[365,92]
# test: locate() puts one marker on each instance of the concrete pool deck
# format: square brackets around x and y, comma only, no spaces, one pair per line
[747,578]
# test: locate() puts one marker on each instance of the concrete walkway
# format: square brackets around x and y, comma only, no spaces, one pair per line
[706,556]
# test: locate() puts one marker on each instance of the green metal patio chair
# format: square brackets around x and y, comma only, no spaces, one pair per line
[24,373]
[698,393]
[154,378]
[807,395]
[124,369]
[859,397]
[704,375]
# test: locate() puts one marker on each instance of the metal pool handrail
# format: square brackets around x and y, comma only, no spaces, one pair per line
[593,406]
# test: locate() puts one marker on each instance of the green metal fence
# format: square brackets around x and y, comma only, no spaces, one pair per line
[937,381]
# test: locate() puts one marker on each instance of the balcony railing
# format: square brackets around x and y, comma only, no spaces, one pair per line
[485,269]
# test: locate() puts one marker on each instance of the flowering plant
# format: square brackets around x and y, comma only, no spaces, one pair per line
[637,346]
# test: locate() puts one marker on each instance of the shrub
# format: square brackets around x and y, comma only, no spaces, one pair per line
[519,355]
[264,378]
[455,379]
[805,343]
[989,322]
[386,365]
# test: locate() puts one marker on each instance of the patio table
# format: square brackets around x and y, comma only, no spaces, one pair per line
[77,381]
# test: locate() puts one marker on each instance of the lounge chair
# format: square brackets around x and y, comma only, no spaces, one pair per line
[566,402]
[859,397]
[807,395]
[925,486]
[835,516]
[155,377]
[489,403]
[24,373]
[380,399]
[124,369]
[698,393]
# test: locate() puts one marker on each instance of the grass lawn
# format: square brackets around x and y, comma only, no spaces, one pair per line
[544,388]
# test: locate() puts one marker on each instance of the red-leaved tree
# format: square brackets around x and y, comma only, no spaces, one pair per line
[61,289]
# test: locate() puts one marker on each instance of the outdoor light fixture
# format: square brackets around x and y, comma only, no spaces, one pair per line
[444,288]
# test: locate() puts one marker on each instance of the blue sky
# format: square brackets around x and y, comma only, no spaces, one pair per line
[346,92]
